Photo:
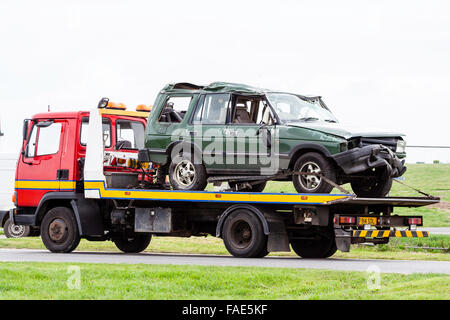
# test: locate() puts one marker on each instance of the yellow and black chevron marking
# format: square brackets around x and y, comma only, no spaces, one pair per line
[389,233]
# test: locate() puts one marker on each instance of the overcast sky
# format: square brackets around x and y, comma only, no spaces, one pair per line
[381,64]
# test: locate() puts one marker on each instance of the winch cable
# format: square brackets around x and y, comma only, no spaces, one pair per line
[330,182]
[419,191]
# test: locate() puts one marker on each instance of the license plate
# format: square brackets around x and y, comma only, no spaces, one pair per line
[367,220]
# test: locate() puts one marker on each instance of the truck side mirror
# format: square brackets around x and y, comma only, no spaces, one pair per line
[25,129]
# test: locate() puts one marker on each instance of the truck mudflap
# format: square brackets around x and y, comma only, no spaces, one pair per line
[372,156]
[389,234]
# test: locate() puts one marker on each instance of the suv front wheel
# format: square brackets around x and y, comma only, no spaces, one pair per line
[313,162]
[186,174]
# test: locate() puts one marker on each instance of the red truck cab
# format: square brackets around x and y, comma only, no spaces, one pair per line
[54,149]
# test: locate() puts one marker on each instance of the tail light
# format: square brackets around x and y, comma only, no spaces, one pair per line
[347,220]
[415,221]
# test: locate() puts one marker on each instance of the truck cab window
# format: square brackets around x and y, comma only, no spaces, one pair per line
[175,109]
[30,151]
[106,128]
[130,135]
[44,140]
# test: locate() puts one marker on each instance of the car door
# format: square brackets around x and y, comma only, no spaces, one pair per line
[207,129]
[248,135]
[42,172]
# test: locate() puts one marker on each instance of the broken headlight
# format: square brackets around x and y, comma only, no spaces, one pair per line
[401,146]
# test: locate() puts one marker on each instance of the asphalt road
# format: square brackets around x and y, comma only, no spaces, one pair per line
[385,266]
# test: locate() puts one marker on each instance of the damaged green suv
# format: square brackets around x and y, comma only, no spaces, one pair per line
[246,135]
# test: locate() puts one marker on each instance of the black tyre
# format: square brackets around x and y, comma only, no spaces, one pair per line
[262,253]
[243,235]
[136,244]
[259,187]
[12,230]
[59,230]
[321,248]
[187,174]
[377,187]
[315,163]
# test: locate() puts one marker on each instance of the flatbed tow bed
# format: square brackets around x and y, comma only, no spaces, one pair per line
[251,224]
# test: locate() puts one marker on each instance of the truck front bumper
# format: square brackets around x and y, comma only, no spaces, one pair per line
[358,160]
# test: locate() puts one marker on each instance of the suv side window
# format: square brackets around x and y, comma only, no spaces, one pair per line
[175,109]
[251,110]
[212,109]
[44,140]
[264,115]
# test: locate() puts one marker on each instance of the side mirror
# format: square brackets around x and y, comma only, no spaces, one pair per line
[103,103]
[25,129]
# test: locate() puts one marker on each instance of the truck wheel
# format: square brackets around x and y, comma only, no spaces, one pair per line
[322,248]
[12,230]
[243,235]
[375,188]
[136,244]
[259,187]
[59,230]
[315,163]
[185,174]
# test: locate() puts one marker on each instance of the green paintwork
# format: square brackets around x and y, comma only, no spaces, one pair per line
[341,131]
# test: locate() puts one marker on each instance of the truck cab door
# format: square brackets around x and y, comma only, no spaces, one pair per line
[39,169]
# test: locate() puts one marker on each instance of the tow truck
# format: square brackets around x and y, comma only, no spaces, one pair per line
[75,179]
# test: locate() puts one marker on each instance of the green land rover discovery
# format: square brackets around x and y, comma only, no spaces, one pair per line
[246,135]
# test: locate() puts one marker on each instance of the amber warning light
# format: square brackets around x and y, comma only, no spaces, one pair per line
[144,108]
[115,105]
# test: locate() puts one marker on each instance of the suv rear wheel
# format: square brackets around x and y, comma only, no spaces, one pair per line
[313,162]
[186,174]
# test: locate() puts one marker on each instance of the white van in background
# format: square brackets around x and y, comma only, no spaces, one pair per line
[7,176]
[7,170]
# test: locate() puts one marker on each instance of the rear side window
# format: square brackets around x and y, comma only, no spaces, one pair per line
[213,110]
[130,134]
[175,109]
[106,128]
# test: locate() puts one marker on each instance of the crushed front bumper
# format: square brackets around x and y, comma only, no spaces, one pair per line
[357,160]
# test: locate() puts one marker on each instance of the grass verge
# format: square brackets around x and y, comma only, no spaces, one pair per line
[50,281]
